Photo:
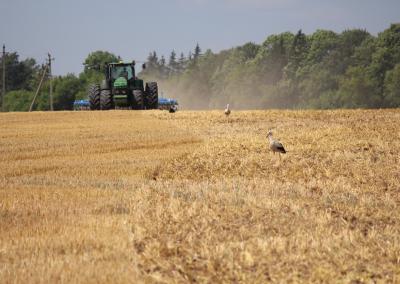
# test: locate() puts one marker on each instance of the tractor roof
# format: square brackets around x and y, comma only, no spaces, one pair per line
[121,63]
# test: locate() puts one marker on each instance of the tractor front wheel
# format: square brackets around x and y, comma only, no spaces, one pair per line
[138,97]
[151,95]
[106,100]
[94,96]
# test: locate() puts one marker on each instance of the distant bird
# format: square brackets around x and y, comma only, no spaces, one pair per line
[275,145]
[227,110]
[173,109]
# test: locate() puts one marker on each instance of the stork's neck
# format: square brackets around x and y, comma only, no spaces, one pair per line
[270,139]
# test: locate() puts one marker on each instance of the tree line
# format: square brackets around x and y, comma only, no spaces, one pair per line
[322,70]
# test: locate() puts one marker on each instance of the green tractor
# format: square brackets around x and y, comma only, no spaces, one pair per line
[121,88]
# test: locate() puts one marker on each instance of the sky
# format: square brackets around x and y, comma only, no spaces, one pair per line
[71,29]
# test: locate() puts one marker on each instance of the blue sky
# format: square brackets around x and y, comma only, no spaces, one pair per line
[71,29]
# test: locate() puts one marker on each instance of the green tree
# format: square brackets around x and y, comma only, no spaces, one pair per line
[95,64]
[152,60]
[392,87]
[172,64]
[197,52]
[20,75]
[181,65]
[18,100]
[162,61]
[273,56]
[65,90]
[153,70]
[386,55]
[358,90]
[297,54]
[98,60]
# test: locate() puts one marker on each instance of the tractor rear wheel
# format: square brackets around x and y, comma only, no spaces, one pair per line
[106,100]
[151,95]
[94,96]
[139,100]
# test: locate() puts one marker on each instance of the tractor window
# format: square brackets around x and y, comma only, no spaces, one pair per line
[121,71]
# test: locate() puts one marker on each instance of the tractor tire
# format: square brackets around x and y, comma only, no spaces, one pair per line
[106,100]
[94,96]
[139,99]
[151,95]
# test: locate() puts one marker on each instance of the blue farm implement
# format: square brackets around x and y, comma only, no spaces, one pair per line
[163,104]
[168,104]
[81,105]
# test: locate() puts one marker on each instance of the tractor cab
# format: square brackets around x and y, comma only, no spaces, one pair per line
[120,74]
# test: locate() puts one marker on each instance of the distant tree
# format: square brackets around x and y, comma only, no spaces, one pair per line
[98,60]
[392,87]
[248,51]
[20,75]
[153,65]
[172,60]
[322,43]
[358,89]
[18,100]
[363,53]
[95,64]
[162,61]
[152,60]
[350,40]
[181,63]
[163,69]
[386,55]
[297,54]
[197,52]
[65,90]
[173,63]
[273,56]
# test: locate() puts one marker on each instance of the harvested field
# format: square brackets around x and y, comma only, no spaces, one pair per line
[153,197]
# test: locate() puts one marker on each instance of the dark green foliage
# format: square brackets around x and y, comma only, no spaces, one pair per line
[95,65]
[172,64]
[181,63]
[98,60]
[197,52]
[392,88]
[65,90]
[19,74]
[18,100]
[352,69]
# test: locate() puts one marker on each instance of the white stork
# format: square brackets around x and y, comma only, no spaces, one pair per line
[275,145]
[227,110]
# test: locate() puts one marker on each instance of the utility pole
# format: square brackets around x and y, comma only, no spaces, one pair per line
[51,84]
[40,85]
[3,92]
